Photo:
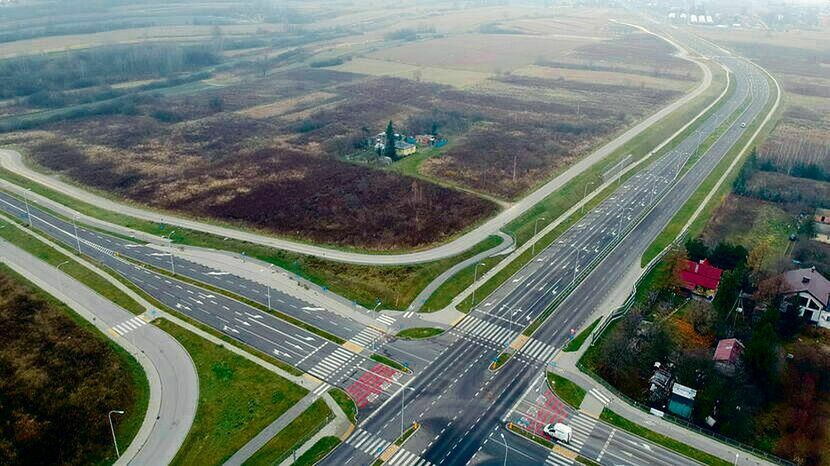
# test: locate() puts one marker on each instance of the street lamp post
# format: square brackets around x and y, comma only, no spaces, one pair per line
[112,429]
[535,227]
[26,200]
[172,263]
[584,195]
[403,395]
[504,440]
[576,263]
[475,279]
[77,238]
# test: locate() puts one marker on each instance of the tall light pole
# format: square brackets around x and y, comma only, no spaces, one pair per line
[535,227]
[26,200]
[576,263]
[584,195]
[737,455]
[403,394]
[77,238]
[172,263]
[475,279]
[505,447]
[112,429]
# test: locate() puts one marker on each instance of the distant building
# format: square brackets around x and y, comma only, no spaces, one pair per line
[701,278]
[424,139]
[728,355]
[682,400]
[809,291]
[403,148]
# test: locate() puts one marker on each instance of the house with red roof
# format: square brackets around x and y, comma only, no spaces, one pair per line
[728,354]
[701,278]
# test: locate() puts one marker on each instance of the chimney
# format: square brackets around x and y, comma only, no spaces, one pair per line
[805,279]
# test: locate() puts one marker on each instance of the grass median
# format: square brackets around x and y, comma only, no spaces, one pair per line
[292,436]
[419,333]
[577,342]
[237,399]
[318,451]
[616,420]
[50,255]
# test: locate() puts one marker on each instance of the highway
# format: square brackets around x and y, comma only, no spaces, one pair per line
[459,403]
[369,381]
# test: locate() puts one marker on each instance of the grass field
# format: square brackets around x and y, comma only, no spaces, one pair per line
[346,404]
[237,399]
[131,389]
[568,391]
[293,435]
[419,333]
[577,342]
[318,451]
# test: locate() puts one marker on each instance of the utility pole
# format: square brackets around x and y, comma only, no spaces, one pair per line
[475,279]
[172,264]
[28,213]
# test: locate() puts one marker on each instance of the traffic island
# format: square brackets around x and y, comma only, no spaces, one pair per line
[396,445]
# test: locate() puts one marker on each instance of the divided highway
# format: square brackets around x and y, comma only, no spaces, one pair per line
[459,404]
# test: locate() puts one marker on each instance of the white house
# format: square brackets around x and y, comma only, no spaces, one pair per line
[810,291]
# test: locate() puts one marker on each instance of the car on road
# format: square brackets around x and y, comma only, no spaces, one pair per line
[559,432]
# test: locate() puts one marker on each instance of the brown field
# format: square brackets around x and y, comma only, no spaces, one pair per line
[605,77]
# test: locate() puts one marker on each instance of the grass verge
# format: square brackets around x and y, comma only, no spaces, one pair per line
[346,404]
[394,286]
[318,451]
[577,342]
[418,333]
[660,439]
[679,220]
[566,390]
[237,399]
[292,436]
[555,205]
[50,255]
[500,361]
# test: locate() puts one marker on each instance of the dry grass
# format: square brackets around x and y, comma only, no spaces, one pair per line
[290,105]
[605,77]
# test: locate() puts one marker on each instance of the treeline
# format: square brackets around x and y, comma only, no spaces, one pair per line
[62,30]
[25,76]
[57,383]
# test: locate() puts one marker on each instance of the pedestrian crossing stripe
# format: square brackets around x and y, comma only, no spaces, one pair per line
[386,319]
[604,399]
[582,428]
[331,363]
[538,350]
[409,314]
[487,330]
[322,388]
[368,443]
[129,325]
[405,458]
[367,337]
[556,459]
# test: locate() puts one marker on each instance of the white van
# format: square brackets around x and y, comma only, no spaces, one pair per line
[559,432]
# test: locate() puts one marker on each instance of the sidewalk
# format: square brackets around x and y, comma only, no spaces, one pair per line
[339,426]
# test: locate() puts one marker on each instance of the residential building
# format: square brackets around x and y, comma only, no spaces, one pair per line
[701,278]
[682,400]
[809,291]
[402,148]
[728,355]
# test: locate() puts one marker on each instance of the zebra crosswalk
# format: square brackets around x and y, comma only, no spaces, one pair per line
[322,388]
[582,427]
[538,350]
[367,337]
[368,443]
[129,325]
[486,330]
[555,459]
[385,319]
[332,362]
[405,458]
[603,398]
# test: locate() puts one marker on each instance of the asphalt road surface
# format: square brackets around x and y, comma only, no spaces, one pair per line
[458,402]
[365,379]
